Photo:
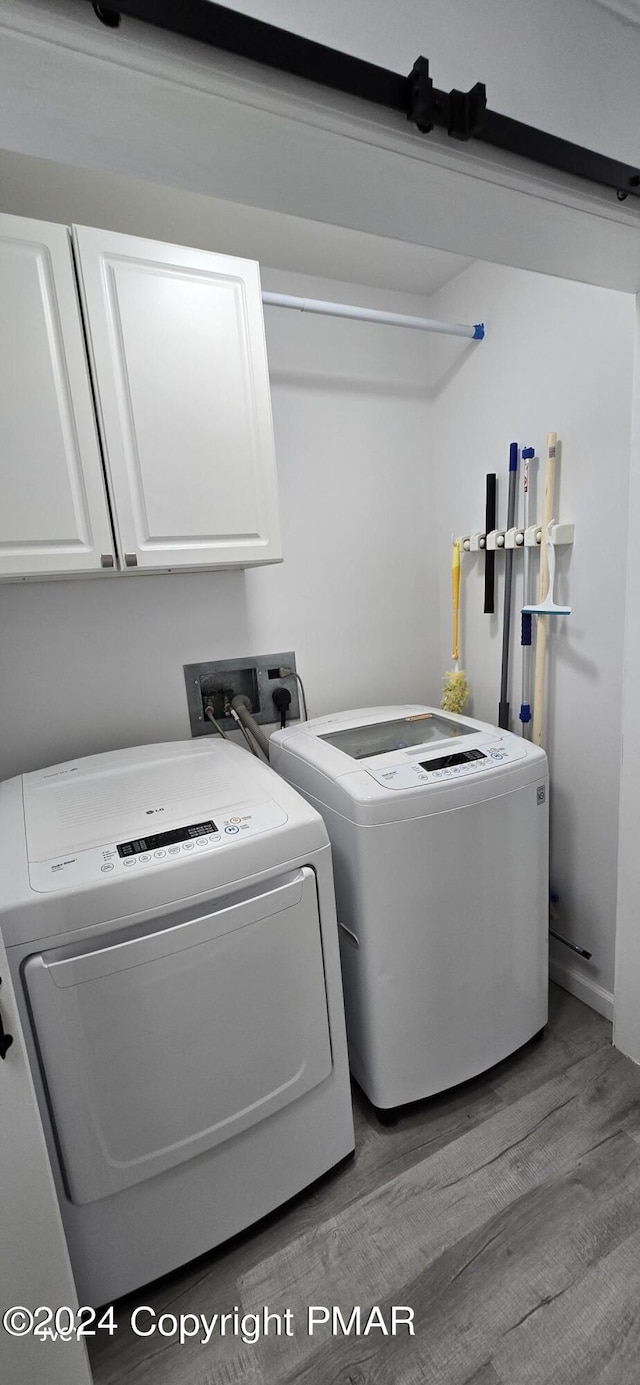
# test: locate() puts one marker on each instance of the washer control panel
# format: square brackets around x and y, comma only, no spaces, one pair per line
[431,766]
[186,842]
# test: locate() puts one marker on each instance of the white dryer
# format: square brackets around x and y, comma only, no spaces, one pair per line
[170,924]
[439,833]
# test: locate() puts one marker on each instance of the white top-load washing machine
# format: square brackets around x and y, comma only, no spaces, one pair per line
[170,924]
[439,833]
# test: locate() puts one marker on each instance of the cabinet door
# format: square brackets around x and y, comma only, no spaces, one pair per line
[180,369]
[53,509]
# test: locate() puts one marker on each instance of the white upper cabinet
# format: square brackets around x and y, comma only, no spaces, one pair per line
[54,517]
[176,341]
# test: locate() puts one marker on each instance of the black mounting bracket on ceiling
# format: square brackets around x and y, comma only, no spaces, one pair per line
[460,112]
[464,115]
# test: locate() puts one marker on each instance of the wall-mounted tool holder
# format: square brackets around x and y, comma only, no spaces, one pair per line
[547,535]
[561,534]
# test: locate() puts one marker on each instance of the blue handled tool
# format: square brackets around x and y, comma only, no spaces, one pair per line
[525,629]
[503,707]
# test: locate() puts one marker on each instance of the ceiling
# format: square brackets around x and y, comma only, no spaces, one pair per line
[54,191]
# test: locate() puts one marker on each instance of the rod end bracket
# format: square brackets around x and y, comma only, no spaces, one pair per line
[107,15]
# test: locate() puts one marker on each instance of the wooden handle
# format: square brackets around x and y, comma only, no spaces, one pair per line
[547,511]
[543,584]
[455,600]
[538,682]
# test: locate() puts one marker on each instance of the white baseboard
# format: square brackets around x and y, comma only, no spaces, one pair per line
[579,985]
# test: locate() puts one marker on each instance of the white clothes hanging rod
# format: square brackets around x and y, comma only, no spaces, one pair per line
[419,324]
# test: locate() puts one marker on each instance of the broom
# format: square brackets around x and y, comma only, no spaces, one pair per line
[456,688]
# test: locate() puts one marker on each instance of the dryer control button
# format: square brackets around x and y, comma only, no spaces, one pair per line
[232,829]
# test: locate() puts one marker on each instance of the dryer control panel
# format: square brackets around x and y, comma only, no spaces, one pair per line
[188,841]
[432,766]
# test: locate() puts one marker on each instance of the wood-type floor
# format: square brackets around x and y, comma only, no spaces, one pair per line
[506,1214]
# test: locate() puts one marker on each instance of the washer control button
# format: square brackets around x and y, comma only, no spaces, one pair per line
[159,853]
[145,856]
[187,846]
[232,829]
[108,866]
[174,850]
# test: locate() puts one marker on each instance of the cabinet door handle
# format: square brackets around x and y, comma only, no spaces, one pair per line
[6,1039]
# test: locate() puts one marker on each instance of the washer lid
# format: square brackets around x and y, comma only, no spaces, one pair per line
[431,775]
[126,793]
[369,739]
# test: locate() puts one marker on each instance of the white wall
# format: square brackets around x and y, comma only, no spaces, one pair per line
[96,663]
[352,419]
[627,1014]
[557,357]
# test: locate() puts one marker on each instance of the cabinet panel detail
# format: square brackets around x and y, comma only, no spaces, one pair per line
[177,343]
[53,515]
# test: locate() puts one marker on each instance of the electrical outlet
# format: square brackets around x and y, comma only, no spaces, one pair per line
[256,677]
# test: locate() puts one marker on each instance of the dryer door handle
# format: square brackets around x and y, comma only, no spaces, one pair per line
[6,1039]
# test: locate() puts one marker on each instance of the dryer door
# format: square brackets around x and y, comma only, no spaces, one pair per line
[154,1048]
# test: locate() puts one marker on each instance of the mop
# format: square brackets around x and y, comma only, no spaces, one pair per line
[546,605]
[525,629]
[456,689]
